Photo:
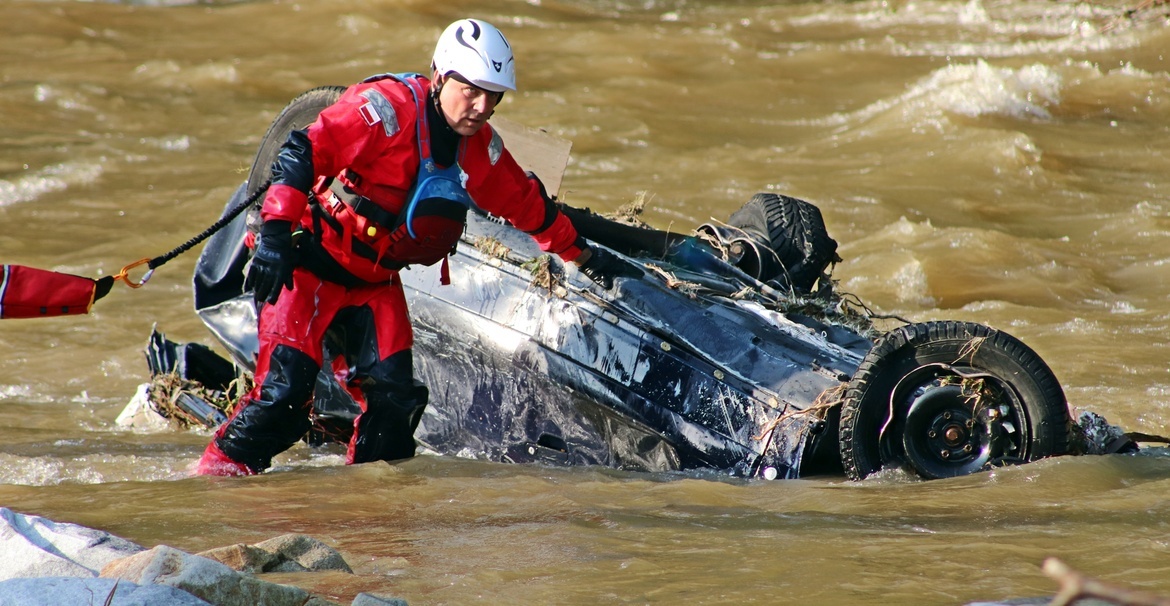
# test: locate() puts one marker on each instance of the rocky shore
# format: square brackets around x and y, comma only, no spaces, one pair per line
[47,563]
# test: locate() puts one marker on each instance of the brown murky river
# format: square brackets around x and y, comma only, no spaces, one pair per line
[995,161]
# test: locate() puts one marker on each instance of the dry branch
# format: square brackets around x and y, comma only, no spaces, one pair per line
[1074,586]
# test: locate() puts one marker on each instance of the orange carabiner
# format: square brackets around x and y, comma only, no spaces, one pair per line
[124,275]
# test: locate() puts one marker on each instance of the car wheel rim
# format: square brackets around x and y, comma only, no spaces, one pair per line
[952,426]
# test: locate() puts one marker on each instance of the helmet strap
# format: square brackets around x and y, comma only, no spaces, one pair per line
[435,97]
[444,139]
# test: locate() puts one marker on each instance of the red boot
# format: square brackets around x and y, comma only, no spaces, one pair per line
[215,463]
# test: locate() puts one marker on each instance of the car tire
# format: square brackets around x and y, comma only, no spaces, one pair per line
[298,114]
[786,240]
[964,397]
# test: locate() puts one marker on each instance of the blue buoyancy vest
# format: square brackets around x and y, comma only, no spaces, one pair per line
[428,227]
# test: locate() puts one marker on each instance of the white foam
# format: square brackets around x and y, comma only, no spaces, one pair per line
[94,468]
[57,177]
[174,143]
[973,89]
[21,392]
[972,29]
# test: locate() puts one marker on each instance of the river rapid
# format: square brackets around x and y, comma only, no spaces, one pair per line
[994,161]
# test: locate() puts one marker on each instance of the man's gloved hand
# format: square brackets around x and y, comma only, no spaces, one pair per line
[272,265]
[603,266]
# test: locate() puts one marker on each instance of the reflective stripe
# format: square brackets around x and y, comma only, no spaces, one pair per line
[495,147]
[382,109]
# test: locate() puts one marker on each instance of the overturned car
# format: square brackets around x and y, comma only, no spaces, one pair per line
[732,352]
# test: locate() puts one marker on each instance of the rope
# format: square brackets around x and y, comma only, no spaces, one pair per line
[207,233]
[158,261]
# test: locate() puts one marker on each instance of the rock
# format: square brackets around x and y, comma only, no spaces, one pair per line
[242,558]
[304,553]
[203,578]
[140,415]
[286,553]
[33,546]
[366,599]
[55,591]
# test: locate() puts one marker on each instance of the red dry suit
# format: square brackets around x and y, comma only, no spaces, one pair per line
[368,142]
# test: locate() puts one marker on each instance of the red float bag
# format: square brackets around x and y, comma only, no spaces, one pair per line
[27,292]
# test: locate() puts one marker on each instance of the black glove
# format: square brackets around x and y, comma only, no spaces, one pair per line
[603,266]
[272,265]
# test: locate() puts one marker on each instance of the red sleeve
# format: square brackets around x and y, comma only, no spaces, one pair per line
[284,203]
[506,191]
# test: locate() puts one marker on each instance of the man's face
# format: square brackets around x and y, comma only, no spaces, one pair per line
[466,107]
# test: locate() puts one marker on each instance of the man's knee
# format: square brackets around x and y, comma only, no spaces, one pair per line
[279,416]
[394,407]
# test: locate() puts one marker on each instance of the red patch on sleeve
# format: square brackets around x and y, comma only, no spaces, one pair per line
[369,114]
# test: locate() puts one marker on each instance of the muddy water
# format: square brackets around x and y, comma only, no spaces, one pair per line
[997,162]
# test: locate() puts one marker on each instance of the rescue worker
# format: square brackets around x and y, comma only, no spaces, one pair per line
[382,179]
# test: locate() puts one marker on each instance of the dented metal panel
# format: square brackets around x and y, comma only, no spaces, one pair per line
[644,377]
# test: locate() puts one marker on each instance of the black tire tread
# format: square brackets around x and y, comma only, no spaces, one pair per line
[795,231]
[299,113]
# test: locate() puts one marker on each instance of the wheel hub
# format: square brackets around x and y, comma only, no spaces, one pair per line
[943,437]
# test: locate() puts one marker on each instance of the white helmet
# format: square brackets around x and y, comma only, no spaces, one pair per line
[478,52]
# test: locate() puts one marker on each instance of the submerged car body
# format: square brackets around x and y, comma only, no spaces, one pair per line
[684,368]
[732,352]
